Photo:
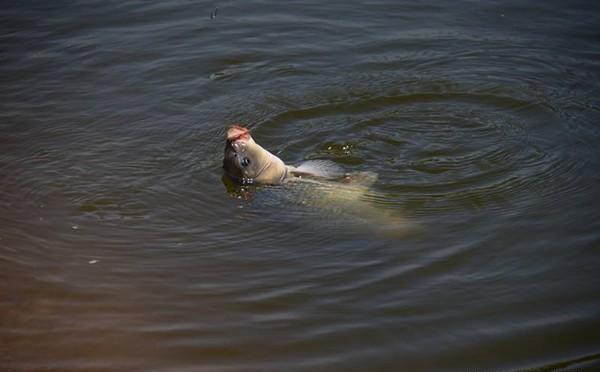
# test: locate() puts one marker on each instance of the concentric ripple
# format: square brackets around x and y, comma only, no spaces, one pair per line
[122,249]
[438,152]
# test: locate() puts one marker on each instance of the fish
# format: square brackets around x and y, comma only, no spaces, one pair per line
[246,162]
[319,183]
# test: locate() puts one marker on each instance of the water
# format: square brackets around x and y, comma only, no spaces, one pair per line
[122,249]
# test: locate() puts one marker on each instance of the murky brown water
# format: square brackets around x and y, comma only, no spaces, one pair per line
[121,248]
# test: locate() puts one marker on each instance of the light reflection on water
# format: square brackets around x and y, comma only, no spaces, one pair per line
[121,247]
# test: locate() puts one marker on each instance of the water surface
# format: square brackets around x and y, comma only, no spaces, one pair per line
[121,249]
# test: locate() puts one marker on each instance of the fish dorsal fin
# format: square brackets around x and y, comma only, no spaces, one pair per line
[319,168]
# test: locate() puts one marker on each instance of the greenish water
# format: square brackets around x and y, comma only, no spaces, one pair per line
[122,249]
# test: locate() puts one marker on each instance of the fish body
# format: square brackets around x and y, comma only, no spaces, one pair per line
[314,183]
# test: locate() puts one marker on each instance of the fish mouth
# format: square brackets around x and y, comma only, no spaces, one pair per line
[230,166]
[237,132]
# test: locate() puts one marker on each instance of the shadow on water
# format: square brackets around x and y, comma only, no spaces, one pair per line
[122,247]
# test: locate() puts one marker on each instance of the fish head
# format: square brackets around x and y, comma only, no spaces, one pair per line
[244,160]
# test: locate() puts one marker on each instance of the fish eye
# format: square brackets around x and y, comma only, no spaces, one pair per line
[245,162]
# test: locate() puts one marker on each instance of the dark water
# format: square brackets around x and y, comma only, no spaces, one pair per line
[121,249]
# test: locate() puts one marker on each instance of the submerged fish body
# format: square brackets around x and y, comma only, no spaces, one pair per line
[349,202]
[316,184]
[328,184]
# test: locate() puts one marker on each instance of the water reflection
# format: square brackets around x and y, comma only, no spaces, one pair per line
[480,121]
